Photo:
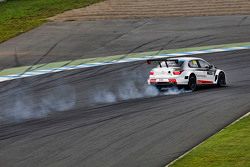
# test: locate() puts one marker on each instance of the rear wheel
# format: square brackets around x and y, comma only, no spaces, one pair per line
[221,79]
[192,85]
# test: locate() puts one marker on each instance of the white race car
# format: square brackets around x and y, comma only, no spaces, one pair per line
[188,72]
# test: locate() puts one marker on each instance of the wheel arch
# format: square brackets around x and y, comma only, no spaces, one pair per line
[219,71]
[190,86]
[192,74]
[217,74]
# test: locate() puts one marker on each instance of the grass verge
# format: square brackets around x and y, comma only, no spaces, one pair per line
[230,147]
[18,16]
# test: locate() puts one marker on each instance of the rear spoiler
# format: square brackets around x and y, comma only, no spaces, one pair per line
[149,61]
[160,60]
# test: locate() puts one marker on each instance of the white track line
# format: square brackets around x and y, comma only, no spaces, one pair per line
[66,68]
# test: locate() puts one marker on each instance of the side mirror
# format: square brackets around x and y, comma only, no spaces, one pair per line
[211,66]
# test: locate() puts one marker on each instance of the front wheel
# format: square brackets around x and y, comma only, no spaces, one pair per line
[221,79]
[192,85]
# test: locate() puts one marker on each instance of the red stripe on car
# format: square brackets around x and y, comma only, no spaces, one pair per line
[204,82]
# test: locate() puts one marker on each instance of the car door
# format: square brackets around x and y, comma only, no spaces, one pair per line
[194,66]
[208,72]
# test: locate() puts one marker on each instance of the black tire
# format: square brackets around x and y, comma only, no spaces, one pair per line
[192,85]
[221,79]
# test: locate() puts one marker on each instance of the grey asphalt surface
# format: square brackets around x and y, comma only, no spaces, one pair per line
[76,127]
[57,41]
[147,131]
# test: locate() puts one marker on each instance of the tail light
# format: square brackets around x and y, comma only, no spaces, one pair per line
[152,80]
[177,72]
[172,80]
[151,73]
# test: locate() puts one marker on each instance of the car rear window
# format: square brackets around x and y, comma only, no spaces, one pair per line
[172,63]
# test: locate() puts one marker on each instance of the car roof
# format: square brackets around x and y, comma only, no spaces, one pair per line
[185,58]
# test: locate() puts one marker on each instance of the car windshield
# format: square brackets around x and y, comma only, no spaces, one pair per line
[171,63]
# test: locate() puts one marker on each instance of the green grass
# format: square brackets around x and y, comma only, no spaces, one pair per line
[18,16]
[228,148]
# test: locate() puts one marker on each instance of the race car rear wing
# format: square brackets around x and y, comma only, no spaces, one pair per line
[155,60]
[166,62]
[159,61]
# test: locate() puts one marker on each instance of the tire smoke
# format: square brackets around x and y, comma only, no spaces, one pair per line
[33,101]
[125,91]
[25,106]
[132,86]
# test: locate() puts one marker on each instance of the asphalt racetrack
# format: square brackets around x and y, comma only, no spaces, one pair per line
[139,131]
[107,116]
[58,41]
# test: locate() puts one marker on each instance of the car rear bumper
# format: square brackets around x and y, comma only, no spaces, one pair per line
[167,82]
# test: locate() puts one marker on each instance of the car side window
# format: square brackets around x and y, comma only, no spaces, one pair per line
[193,64]
[203,64]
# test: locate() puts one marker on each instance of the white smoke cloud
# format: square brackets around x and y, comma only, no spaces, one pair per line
[131,90]
[104,96]
[25,105]
[175,91]
[21,105]
[129,85]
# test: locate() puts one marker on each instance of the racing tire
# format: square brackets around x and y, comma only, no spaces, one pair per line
[221,79]
[192,84]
